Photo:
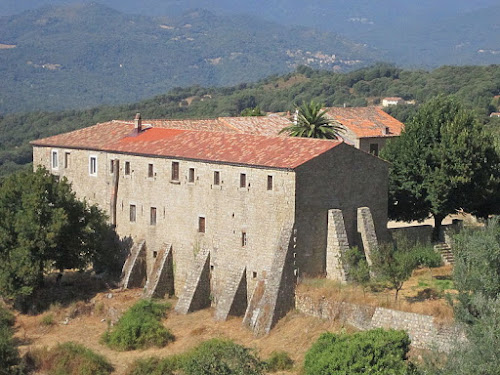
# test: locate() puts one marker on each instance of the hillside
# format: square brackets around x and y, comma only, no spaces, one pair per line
[475,86]
[426,33]
[80,56]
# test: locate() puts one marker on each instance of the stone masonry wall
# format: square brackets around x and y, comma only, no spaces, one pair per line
[344,178]
[337,245]
[423,331]
[228,209]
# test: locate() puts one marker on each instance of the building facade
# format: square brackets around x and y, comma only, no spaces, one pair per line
[229,194]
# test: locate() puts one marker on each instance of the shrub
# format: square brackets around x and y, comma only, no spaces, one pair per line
[47,320]
[156,366]
[279,361]
[375,352]
[426,256]
[70,359]
[9,357]
[222,357]
[6,317]
[140,327]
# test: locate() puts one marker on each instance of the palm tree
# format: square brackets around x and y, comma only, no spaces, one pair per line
[311,122]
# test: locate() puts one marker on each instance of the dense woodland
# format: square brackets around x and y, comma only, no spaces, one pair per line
[475,86]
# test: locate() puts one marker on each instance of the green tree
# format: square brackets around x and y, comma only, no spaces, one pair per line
[9,356]
[442,162]
[43,226]
[255,111]
[476,276]
[393,263]
[377,352]
[313,122]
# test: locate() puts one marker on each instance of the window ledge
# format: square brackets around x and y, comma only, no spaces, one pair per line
[175,182]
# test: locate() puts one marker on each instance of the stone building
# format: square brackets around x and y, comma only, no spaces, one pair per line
[221,217]
[366,128]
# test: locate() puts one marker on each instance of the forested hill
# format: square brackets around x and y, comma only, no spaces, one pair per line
[79,56]
[475,86]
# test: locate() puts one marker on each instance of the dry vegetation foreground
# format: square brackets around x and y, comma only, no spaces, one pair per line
[293,334]
[72,319]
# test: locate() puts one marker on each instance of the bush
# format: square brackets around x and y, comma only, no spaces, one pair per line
[279,361]
[9,357]
[375,352]
[6,317]
[156,366]
[222,357]
[140,327]
[426,256]
[47,320]
[70,359]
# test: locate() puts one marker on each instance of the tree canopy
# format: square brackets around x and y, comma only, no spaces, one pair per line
[44,226]
[442,162]
[311,121]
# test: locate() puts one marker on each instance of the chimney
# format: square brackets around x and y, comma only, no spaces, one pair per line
[385,130]
[137,125]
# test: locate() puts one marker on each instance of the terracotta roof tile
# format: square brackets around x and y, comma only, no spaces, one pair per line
[234,148]
[260,125]
[366,121]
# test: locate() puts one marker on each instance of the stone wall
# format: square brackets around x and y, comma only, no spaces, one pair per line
[344,178]
[423,330]
[229,210]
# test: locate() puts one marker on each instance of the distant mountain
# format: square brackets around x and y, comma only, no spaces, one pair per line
[424,33]
[85,55]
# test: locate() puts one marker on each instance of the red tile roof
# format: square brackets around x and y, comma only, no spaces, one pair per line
[233,148]
[366,121]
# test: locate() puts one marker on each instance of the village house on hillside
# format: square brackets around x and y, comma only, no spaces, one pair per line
[394,100]
[223,217]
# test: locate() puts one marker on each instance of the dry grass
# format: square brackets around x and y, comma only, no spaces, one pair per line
[294,334]
[424,293]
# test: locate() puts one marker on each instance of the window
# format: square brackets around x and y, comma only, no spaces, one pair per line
[269,182]
[191,175]
[216,178]
[150,170]
[133,213]
[55,159]
[93,165]
[243,180]
[201,224]
[152,216]
[254,274]
[175,171]
[66,159]
[155,254]
[127,168]
[374,149]
[243,239]
[112,166]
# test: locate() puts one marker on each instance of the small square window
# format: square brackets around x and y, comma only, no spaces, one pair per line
[243,180]
[152,216]
[127,168]
[201,224]
[269,182]
[66,159]
[243,239]
[133,213]
[93,165]
[191,175]
[175,171]
[216,178]
[254,274]
[155,254]
[55,159]
[150,170]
